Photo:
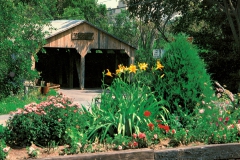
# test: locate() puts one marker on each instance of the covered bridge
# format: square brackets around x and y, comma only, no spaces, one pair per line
[77,53]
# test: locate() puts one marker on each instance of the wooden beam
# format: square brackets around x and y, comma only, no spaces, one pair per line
[82,72]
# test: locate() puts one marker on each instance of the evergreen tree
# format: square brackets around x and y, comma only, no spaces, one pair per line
[186,83]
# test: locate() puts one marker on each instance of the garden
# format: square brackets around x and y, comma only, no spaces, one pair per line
[167,103]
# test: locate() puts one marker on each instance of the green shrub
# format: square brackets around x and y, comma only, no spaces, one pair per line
[43,122]
[186,82]
[3,148]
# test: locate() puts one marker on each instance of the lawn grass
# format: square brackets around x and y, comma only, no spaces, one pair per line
[11,103]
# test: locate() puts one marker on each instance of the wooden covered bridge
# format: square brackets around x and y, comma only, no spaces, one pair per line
[77,53]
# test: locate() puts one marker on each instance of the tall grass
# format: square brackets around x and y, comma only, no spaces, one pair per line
[13,102]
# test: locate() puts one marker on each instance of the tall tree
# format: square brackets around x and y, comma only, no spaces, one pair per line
[215,17]
[20,39]
[125,28]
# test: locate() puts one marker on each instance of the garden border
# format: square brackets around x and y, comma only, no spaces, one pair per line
[205,152]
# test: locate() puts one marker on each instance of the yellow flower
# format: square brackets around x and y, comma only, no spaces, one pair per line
[159,65]
[108,73]
[120,69]
[162,75]
[132,68]
[143,66]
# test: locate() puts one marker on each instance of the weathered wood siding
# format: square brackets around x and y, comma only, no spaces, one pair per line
[101,40]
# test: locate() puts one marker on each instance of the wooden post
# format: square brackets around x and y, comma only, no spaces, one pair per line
[82,50]
[82,72]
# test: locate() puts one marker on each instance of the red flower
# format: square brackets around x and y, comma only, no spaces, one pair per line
[227,118]
[135,144]
[166,128]
[141,135]
[151,126]
[134,135]
[160,126]
[147,113]
[220,119]
[173,131]
[238,121]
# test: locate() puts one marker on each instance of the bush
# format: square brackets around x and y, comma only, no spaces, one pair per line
[3,148]
[43,122]
[186,82]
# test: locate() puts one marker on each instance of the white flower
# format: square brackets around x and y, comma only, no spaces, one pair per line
[79,145]
[6,149]
[119,147]
[201,111]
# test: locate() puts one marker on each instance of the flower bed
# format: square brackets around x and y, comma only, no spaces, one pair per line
[143,107]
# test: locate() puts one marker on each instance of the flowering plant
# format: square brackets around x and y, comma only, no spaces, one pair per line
[124,104]
[43,122]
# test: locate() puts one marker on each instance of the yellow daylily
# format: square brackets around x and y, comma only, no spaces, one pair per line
[108,73]
[120,69]
[132,68]
[159,65]
[143,66]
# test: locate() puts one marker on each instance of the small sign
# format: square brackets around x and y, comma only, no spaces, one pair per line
[156,53]
[82,36]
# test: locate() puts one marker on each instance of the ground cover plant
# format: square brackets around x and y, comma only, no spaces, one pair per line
[12,102]
[138,109]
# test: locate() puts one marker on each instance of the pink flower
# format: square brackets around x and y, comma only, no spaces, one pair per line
[134,135]
[220,119]
[135,144]
[201,111]
[227,118]
[141,135]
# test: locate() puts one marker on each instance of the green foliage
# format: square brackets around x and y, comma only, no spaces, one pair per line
[75,139]
[20,38]
[186,81]
[214,123]
[11,103]
[122,107]
[125,28]
[44,122]
[32,152]
[3,149]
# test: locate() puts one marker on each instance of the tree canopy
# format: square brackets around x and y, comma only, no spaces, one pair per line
[21,37]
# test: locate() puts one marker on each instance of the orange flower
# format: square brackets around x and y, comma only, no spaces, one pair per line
[132,68]
[147,113]
[108,73]
[159,65]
